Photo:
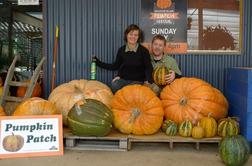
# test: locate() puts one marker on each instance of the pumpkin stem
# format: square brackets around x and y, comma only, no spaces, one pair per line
[209,115]
[183,101]
[134,114]
[77,108]
[237,119]
[80,91]
[81,102]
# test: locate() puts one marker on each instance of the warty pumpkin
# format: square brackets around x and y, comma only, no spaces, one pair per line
[66,95]
[163,4]
[185,129]
[137,110]
[209,125]
[35,106]
[36,91]
[193,99]
[90,118]
[228,127]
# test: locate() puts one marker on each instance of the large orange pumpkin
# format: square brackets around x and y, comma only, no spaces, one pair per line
[36,91]
[2,113]
[192,98]
[163,4]
[137,110]
[35,106]
[66,95]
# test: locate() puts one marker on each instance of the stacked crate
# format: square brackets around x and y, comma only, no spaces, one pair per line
[238,90]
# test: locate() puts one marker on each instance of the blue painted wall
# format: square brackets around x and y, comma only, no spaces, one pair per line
[96,27]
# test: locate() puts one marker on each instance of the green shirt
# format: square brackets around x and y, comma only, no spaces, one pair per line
[168,61]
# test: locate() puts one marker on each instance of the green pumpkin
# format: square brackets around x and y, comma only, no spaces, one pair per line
[234,150]
[159,74]
[228,127]
[93,118]
[185,129]
[170,128]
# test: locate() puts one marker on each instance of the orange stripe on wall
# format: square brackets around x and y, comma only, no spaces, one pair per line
[171,48]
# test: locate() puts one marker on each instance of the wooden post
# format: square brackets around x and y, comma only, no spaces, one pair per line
[10,31]
[200,16]
[54,58]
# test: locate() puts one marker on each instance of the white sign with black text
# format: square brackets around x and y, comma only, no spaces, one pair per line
[31,136]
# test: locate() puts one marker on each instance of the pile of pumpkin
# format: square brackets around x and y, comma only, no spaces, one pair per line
[90,109]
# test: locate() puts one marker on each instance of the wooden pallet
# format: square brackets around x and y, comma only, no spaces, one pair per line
[160,137]
[114,142]
[120,142]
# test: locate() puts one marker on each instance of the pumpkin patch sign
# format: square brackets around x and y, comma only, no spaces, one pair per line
[27,136]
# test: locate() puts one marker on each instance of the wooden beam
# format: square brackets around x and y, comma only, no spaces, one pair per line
[30,8]
[214,4]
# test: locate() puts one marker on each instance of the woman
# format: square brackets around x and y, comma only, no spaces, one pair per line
[132,61]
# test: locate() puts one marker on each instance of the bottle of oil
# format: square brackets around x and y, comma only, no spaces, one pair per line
[93,69]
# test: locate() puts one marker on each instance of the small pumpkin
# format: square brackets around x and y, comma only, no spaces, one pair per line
[66,95]
[228,127]
[197,132]
[13,143]
[90,118]
[36,91]
[234,150]
[35,106]
[185,129]
[137,110]
[2,113]
[209,125]
[163,4]
[192,99]
[159,74]
[170,128]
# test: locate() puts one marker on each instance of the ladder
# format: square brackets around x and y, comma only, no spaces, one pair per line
[30,85]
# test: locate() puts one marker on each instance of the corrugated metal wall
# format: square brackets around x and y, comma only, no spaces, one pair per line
[96,27]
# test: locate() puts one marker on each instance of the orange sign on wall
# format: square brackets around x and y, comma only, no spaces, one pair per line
[28,136]
[167,18]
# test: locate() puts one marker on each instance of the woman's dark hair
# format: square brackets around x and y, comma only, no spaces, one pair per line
[133,27]
[159,37]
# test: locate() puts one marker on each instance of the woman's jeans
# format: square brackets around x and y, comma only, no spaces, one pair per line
[120,83]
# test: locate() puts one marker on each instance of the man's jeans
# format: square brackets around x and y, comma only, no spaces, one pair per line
[120,83]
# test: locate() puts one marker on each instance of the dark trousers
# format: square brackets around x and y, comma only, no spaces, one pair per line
[118,84]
